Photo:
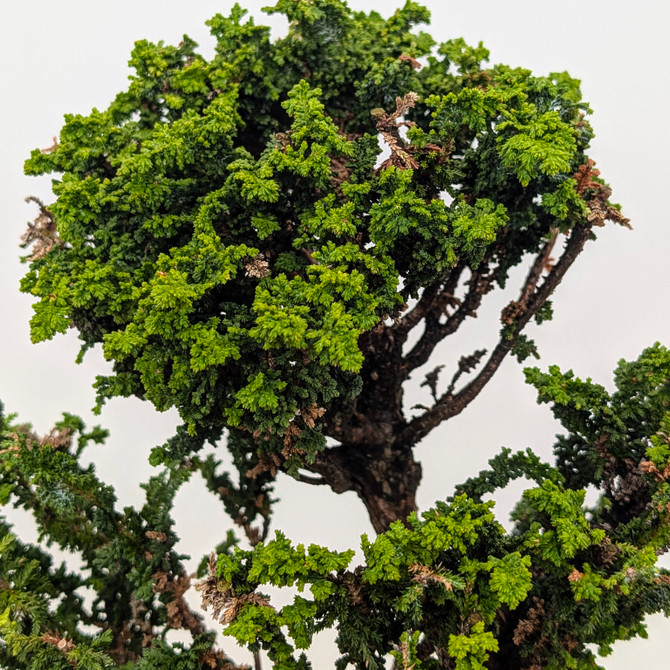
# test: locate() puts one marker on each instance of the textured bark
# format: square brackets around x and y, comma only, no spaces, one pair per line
[371,460]
[516,315]
[385,479]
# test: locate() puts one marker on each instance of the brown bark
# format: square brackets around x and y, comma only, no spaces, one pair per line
[385,479]
[370,459]
[531,300]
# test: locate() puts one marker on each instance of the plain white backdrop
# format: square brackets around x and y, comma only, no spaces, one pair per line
[69,56]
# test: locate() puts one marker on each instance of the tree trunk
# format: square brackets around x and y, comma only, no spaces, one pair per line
[384,477]
[387,485]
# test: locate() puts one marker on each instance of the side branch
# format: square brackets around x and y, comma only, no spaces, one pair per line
[385,479]
[516,315]
[542,263]
[479,285]
[331,465]
[432,298]
[307,479]
[418,312]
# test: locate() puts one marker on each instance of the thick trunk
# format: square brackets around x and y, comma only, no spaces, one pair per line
[370,459]
[387,486]
[384,477]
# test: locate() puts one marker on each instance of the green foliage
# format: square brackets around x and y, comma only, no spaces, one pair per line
[225,231]
[470,652]
[571,576]
[251,239]
[436,570]
[130,583]
[606,429]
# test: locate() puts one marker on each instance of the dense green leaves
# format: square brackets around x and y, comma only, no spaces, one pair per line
[441,581]
[128,589]
[231,223]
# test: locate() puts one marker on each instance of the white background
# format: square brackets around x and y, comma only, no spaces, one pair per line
[69,56]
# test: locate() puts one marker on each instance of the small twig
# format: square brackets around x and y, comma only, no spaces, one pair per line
[309,257]
[431,380]
[465,364]
[306,479]
[435,331]
[418,312]
[539,266]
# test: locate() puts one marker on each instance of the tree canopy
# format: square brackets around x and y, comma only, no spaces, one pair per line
[272,242]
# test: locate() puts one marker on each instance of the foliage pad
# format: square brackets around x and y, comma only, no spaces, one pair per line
[231,232]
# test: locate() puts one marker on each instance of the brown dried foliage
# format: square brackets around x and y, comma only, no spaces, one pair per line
[311,414]
[221,598]
[424,576]
[57,438]
[388,126]
[217,660]
[355,588]
[272,462]
[156,535]
[266,463]
[290,436]
[648,468]
[179,613]
[404,650]
[511,313]
[575,575]
[531,625]
[607,552]
[42,232]
[599,207]
[61,643]
[412,61]
[258,267]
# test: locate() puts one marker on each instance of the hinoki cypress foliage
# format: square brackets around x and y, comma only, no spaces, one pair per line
[272,241]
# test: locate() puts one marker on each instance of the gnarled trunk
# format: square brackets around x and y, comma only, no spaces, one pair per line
[385,478]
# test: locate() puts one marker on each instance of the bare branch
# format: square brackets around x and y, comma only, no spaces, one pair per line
[435,332]
[517,308]
[418,312]
[308,255]
[330,463]
[431,380]
[540,264]
[531,299]
[465,364]
[306,479]
[433,296]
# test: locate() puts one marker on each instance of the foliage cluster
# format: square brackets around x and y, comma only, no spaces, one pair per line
[224,230]
[451,588]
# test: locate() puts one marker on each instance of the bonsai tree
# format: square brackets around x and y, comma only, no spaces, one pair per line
[272,242]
